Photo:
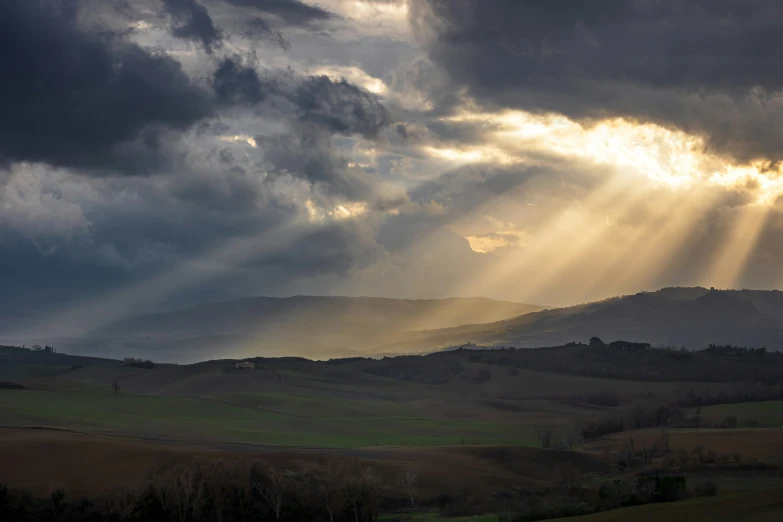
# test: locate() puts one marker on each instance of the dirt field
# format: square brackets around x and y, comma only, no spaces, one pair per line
[40,460]
[762,443]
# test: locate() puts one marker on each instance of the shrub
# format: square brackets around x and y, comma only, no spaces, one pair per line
[729,422]
[706,488]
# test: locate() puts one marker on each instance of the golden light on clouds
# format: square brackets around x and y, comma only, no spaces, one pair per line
[353,75]
[240,138]
[316,214]
[471,154]
[670,157]
[485,244]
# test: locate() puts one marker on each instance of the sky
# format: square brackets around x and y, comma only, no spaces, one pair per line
[157,154]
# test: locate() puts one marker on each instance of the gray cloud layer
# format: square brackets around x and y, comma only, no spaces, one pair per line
[708,66]
[78,99]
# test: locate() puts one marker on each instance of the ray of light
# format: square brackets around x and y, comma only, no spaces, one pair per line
[119,304]
[649,259]
[583,239]
[635,250]
[518,269]
[730,259]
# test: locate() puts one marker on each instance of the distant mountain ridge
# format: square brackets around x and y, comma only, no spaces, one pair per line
[333,327]
[315,326]
[691,317]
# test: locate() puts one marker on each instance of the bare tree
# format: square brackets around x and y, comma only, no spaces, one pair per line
[545,435]
[407,481]
[331,480]
[219,485]
[122,503]
[579,428]
[666,439]
[355,489]
[271,484]
[645,490]
[115,385]
[571,436]
[646,454]
[180,488]
[241,481]
[374,488]
[700,454]
[567,476]
[363,490]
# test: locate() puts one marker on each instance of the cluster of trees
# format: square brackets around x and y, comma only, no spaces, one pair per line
[138,363]
[612,494]
[694,399]
[639,417]
[45,349]
[640,362]
[734,351]
[239,491]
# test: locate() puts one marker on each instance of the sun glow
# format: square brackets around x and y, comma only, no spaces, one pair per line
[240,138]
[670,157]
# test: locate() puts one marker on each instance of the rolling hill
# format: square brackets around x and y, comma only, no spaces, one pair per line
[689,317]
[318,327]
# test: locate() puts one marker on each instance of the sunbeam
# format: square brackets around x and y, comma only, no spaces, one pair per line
[730,259]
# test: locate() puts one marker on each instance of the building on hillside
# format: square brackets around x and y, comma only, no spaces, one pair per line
[246,365]
[36,348]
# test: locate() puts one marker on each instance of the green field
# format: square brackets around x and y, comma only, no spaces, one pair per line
[769,413]
[434,517]
[320,406]
[197,419]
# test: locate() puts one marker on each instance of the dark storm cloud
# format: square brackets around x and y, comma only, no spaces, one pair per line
[308,152]
[71,98]
[340,107]
[191,21]
[256,28]
[707,66]
[292,12]
[237,84]
[91,100]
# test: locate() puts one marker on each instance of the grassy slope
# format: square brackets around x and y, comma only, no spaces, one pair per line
[434,517]
[203,419]
[768,413]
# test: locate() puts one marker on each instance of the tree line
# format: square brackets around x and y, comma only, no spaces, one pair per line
[192,490]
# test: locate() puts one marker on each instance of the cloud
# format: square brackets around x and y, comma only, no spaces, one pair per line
[292,12]
[708,67]
[191,21]
[307,151]
[80,99]
[340,107]
[237,84]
